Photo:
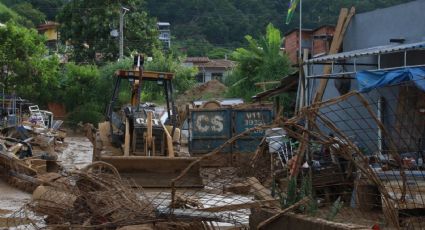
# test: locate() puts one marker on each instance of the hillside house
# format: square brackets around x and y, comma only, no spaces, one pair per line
[164,34]
[50,30]
[210,69]
[292,43]
[317,41]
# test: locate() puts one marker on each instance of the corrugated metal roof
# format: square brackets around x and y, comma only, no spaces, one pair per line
[368,51]
[297,30]
[288,83]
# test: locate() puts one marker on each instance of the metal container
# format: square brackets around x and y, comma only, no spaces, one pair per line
[245,119]
[209,129]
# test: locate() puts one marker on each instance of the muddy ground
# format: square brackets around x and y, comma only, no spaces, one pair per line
[76,153]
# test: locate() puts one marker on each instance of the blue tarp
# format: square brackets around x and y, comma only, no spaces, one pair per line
[368,80]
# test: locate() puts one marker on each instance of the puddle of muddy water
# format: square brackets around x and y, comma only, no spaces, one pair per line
[77,154]
[11,199]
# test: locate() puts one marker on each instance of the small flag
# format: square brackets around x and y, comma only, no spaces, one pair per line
[292,6]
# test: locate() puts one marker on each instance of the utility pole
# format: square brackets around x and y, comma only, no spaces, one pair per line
[123,10]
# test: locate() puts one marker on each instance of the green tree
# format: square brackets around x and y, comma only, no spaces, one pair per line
[80,92]
[35,16]
[261,61]
[107,80]
[223,23]
[23,59]
[7,15]
[183,80]
[80,84]
[49,8]
[87,25]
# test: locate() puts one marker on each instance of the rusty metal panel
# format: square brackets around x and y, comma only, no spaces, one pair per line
[209,129]
[244,119]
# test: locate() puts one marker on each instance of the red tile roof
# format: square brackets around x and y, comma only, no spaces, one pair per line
[217,63]
[197,59]
[47,25]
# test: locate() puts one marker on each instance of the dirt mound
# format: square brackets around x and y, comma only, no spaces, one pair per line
[209,90]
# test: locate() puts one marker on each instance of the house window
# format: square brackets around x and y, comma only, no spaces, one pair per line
[200,78]
[217,76]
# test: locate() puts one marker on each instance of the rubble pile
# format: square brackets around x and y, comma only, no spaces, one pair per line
[93,197]
[210,89]
[344,168]
[27,152]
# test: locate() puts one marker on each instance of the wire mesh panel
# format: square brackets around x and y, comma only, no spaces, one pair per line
[365,150]
[356,159]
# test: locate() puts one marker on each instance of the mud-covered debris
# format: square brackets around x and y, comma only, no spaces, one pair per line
[88,198]
[184,202]
[238,188]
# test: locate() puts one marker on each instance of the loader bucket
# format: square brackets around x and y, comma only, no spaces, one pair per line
[156,172]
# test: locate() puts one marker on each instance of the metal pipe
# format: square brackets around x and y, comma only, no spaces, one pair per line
[297,102]
[114,98]
[337,63]
[302,79]
[355,64]
[121,54]
[301,31]
[405,58]
[374,70]
[123,10]
[380,115]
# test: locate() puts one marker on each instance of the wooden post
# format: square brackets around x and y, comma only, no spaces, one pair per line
[343,22]
[127,138]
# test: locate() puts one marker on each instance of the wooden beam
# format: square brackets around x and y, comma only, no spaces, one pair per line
[343,22]
[233,207]
[127,138]
[261,192]
[263,225]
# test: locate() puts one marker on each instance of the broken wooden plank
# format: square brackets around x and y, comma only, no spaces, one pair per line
[233,207]
[343,22]
[238,188]
[127,138]
[264,224]
[261,192]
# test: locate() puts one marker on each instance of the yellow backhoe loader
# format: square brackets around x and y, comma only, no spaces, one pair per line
[136,142]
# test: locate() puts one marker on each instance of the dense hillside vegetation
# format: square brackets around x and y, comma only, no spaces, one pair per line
[207,27]
[224,23]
